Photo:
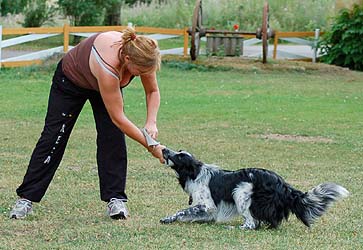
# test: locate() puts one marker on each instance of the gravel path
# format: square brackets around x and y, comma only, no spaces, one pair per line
[7,53]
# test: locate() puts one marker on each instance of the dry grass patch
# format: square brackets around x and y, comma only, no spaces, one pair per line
[295,138]
[256,65]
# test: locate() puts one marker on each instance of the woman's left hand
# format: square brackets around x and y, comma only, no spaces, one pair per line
[152,130]
[157,152]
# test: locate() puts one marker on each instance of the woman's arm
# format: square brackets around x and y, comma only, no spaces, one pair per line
[109,88]
[112,98]
[113,101]
[152,102]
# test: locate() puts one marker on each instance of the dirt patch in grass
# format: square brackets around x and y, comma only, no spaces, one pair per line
[255,65]
[295,138]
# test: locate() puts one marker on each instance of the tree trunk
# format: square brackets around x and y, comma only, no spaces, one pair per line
[113,14]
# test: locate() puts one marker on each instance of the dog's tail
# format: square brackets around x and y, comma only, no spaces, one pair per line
[311,205]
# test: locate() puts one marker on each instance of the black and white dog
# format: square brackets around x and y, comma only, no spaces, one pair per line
[260,196]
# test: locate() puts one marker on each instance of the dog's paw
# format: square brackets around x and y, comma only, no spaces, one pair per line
[247,227]
[168,220]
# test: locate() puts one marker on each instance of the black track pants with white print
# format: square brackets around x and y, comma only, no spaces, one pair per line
[66,101]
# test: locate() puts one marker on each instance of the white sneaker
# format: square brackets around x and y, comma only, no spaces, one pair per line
[117,209]
[21,209]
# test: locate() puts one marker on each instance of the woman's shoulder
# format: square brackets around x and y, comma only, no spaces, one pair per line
[108,40]
[110,36]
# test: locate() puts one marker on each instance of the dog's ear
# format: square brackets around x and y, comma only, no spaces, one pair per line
[196,167]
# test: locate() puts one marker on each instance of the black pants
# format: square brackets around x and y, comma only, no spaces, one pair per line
[66,101]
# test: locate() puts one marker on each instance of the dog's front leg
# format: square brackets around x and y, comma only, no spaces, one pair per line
[191,214]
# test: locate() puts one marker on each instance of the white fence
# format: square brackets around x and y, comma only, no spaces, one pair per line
[34,34]
[307,49]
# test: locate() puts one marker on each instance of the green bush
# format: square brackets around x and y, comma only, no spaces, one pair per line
[83,13]
[342,45]
[38,12]
[12,6]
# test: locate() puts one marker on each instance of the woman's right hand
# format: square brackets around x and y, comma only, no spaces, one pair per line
[157,152]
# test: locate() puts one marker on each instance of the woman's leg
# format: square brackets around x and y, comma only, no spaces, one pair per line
[64,105]
[111,153]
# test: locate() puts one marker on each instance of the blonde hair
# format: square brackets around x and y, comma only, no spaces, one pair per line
[143,51]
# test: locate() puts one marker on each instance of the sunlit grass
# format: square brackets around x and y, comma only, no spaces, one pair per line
[215,114]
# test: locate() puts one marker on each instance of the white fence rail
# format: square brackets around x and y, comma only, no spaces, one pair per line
[34,34]
[307,49]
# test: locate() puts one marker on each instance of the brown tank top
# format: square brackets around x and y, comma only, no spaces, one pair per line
[75,64]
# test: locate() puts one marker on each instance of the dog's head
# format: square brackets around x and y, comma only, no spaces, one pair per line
[184,164]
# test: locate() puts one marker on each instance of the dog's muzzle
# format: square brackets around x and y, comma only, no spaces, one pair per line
[168,154]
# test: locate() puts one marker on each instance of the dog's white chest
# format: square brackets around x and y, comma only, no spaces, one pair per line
[200,193]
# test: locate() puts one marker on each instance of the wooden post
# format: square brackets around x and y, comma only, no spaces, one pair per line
[276,41]
[65,37]
[315,48]
[186,38]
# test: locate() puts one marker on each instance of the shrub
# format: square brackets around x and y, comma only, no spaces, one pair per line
[342,45]
[38,12]
[83,13]
[12,6]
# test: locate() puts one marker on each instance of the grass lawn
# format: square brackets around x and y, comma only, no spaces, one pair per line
[302,121]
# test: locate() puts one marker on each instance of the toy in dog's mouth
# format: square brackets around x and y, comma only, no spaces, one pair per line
[168,154]
[177,159]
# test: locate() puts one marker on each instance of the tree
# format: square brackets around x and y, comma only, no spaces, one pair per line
[113,12]
[38,12]
[132,2]
[12,6]
[83,12]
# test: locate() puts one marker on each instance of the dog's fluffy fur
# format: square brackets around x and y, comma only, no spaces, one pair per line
[260,196]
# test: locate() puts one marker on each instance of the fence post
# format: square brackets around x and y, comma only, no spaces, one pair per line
[276,41]
[315,48]
[1,38]
[65,37]
[186,37]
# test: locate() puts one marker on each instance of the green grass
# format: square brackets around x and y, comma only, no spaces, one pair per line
[216,115]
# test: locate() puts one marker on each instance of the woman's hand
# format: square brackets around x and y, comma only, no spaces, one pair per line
[152,130]
[157,152]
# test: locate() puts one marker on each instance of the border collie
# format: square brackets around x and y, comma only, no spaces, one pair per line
[260,196]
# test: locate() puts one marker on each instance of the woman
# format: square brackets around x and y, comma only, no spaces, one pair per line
[96,70]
